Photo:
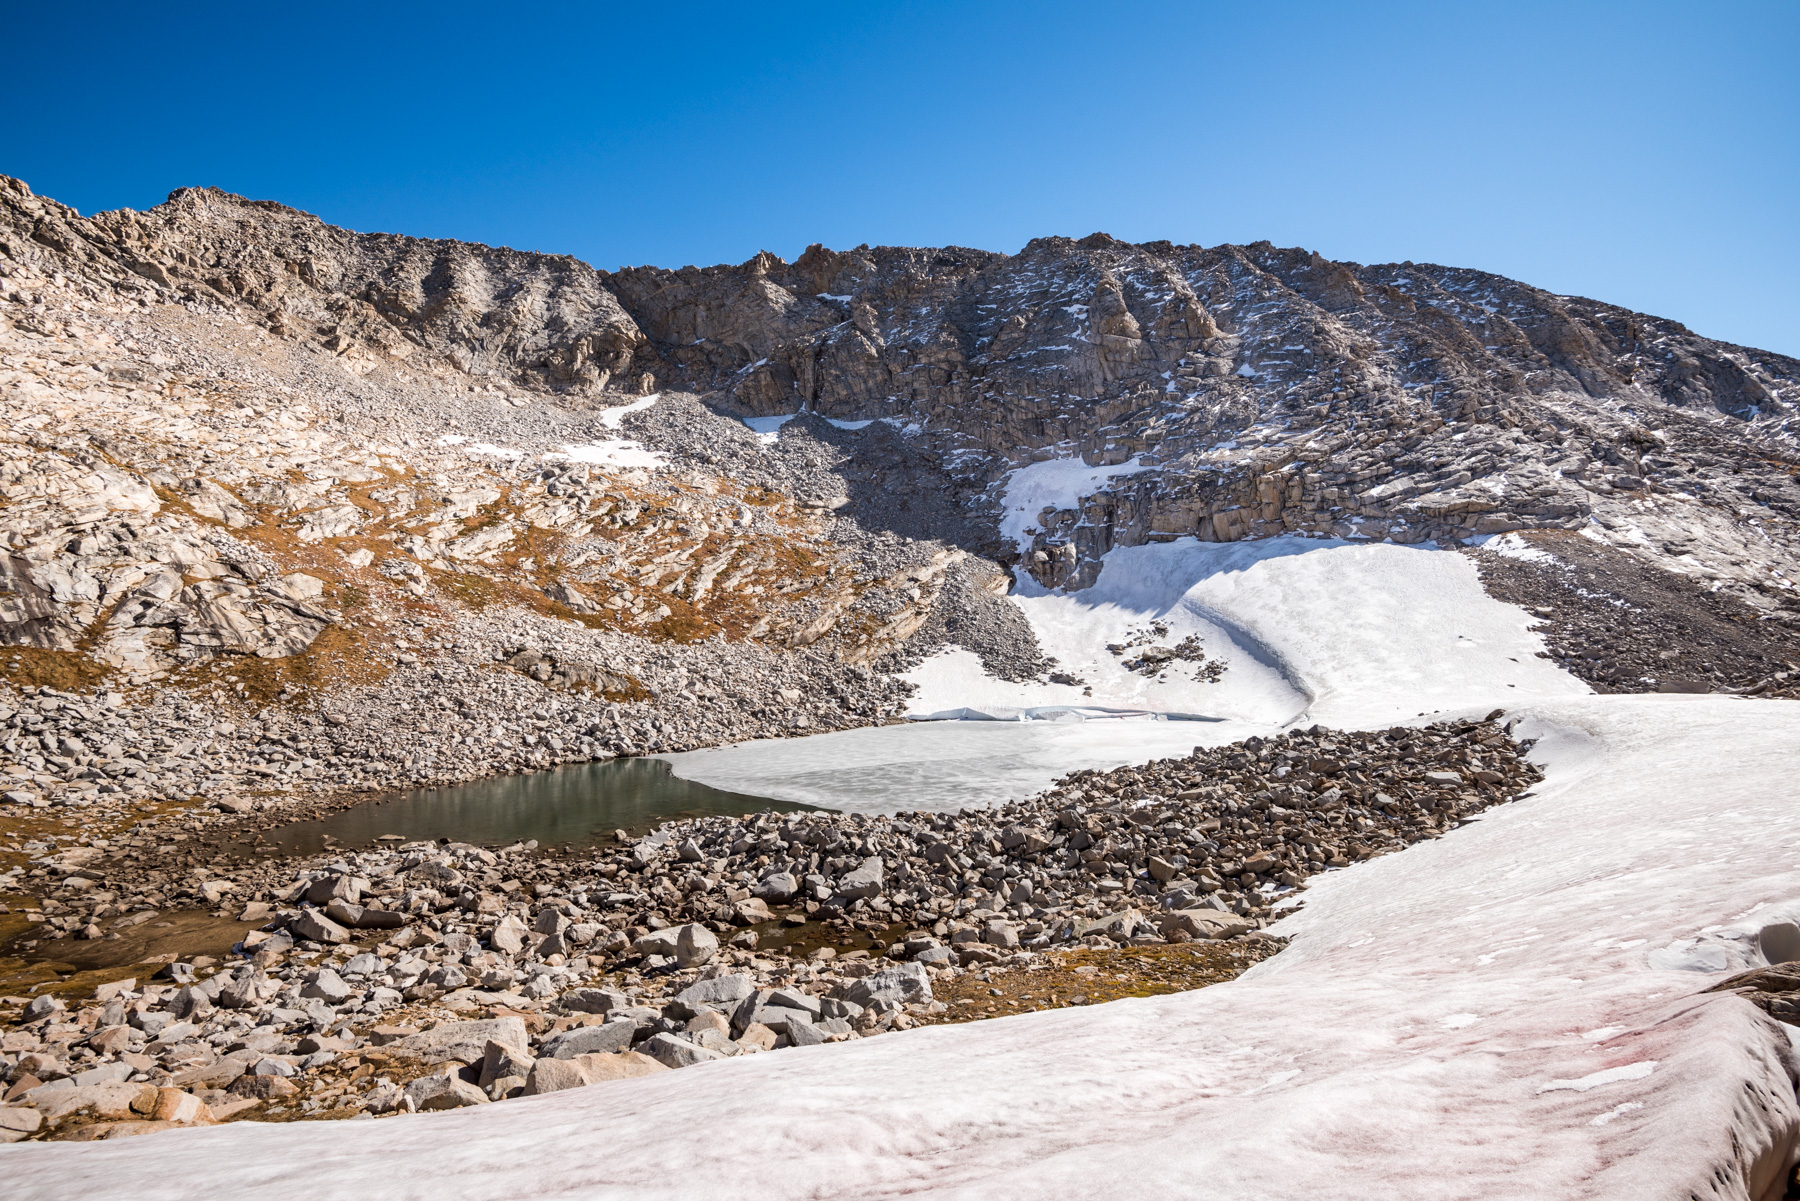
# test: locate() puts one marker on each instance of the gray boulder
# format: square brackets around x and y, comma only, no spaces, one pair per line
[718,993]
[42,1007]
[328,986]
[778,889]
[319,928]
[589,1040]
[905,984]
[1204,924]
[595,1000]
[465,1042]
[688,945]
[676,1052]
[334,888]
[358,917]
[444,1092]
[1120,925]
[864,881]
[501,1061]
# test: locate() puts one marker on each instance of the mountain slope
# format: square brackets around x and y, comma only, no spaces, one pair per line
[263,467]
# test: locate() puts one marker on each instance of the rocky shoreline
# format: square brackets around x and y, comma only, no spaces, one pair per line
[428,976]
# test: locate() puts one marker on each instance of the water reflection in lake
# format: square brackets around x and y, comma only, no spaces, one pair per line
[569,805]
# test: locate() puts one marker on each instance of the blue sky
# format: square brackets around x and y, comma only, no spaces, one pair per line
[1646,154]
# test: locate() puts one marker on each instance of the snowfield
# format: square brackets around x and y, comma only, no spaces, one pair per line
[1310,630]
[1476,1017]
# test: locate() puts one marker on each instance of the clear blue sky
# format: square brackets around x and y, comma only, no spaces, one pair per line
[1644,153]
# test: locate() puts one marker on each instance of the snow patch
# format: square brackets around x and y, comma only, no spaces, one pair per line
[1511,546]
[611,418]
[618,452]
[940,766]
[480,448]
[768,429]
[1057,483]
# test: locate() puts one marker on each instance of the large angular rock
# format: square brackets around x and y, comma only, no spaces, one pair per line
[762,1010]
[218,1074]
[626,1064]
[1120,925]
[589,1040]
[262,1088]
[864,881]
[327,889]
[1204,924]
[358,917]
[114,1100]
[595,1000]
[751,911]
[444,1092]
[674,1052]
[906,984]
[509,935]
[500,1061]
[778,888]
[720,992]
[465,1042]
[688,945]
[20,1119]
[317,927]
[326,985]
[182,1108]
[554,1075]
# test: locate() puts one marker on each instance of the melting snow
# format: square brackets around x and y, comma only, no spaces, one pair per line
[480,448]
[1631,1071]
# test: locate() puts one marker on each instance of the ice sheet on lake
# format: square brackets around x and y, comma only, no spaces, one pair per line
[1343,1067]
[939,765]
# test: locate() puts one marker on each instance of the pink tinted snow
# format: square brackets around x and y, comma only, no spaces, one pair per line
[1347,1066]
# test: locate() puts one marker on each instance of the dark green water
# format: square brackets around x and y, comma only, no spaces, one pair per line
[569,805]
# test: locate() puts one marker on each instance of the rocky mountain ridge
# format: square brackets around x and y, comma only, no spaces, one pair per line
[277,472]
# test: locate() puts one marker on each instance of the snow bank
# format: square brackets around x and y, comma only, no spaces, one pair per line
[615,452]
[1475,1017]
[1349,634]
[1054,482]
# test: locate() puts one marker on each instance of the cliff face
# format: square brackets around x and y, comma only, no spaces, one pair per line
[1263,390]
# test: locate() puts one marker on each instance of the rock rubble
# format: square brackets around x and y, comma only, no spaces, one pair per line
[712,937]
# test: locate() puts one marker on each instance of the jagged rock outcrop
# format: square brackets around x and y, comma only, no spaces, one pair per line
[1261,390]
[542,320]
